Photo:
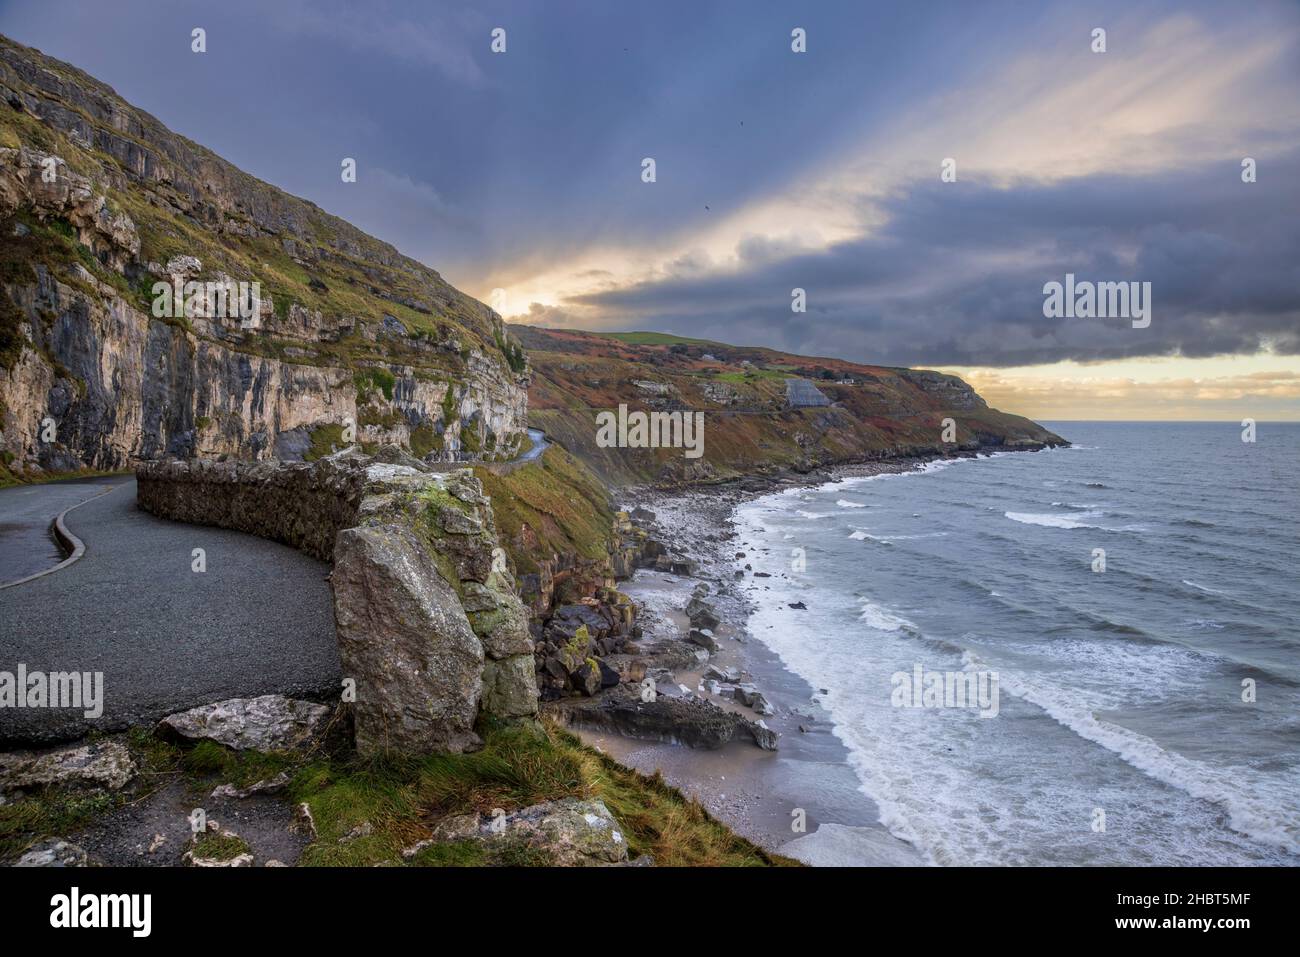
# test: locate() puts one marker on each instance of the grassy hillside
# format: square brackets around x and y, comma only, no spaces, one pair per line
[552,506]
[750,425]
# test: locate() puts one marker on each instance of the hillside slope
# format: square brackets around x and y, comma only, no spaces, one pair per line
[763,410]
[99,202]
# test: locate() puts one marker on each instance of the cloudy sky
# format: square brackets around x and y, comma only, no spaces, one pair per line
[518,175]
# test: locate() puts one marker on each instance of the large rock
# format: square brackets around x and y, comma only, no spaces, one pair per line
[404,638]
[688,720]
[103,765]
[510,687]
[702,614]
[269,722]
[568,833]
[586,677]
[54,852]
[704,638]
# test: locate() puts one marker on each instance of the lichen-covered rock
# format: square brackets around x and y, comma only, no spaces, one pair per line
[405,640]
[586,677]
[54,852]
[269,722]
[104,764]
[499,617]
[510,687]
[567,833]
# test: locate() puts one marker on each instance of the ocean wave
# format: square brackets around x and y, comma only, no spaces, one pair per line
[1257,807]
[813,515]
[1053,521]
[863,535]
[1205,588]
[1049,520]
[882,619]
[845,503]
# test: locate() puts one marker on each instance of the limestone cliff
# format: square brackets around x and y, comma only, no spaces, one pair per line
[100,203]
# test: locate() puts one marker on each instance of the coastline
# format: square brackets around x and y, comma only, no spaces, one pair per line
[763,795]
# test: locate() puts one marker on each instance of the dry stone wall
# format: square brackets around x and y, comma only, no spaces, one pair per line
[430,625]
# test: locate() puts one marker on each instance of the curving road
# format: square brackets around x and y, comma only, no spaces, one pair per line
[258,620]
[539,446]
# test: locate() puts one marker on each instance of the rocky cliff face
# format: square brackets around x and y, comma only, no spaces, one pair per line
[101,207]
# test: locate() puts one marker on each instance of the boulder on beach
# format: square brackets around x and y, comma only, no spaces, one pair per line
[704,638]
[684,719]
[702,614]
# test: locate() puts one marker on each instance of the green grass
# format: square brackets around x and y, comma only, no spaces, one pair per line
[40,815]
[517,767]
[324,439]
[9,477]
[220,847]
[403,798]
[370,380]
[564,504]
[425,439]
[240,768]
[751,375]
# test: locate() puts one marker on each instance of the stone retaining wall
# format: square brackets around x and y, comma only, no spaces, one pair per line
[304,505]
[430,625]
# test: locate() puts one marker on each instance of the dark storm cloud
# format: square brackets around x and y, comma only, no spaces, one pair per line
[530,153]
[494,168]
[955,276]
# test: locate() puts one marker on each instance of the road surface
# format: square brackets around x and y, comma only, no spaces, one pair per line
[258,620]
[539,446]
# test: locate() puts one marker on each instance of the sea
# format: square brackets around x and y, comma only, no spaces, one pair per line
[1129,608]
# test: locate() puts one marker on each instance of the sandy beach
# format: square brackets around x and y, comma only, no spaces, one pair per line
[803,800]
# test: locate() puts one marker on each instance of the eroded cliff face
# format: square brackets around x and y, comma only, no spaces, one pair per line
[101,206]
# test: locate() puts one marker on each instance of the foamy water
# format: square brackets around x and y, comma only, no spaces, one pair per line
[1120,691]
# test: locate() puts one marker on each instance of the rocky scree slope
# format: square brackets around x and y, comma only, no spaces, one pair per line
[765,411]
[99,202]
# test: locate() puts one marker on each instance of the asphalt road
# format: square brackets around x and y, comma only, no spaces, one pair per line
[26,511]
[259,620]
[539,446]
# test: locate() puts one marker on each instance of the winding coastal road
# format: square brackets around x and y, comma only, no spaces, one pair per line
[258,620]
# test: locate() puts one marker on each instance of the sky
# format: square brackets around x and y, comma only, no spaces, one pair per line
[519,174]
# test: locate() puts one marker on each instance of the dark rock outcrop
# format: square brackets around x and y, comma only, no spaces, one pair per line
[687,720]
